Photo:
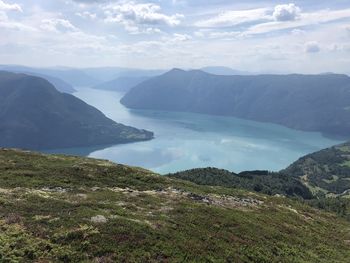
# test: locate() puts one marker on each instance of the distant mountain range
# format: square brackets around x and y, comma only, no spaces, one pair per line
[59,84]
[218,70]
[34,115]
[121,84]
[109,73]
[305,102]
[65,78]
[75,77]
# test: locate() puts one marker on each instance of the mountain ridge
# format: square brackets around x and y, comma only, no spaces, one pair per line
[34,115]
[302,102]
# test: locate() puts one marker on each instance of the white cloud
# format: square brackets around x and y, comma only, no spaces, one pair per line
[298,32]
[152,30]
[12,25]
[9,24]
[226,35]
[345,47]
[132,15]
[289,12]
[312,47]
[266,38]
[305,19]
[265,20]
[87,15]
[57,25]
[347,29]
[198,34]
[232,18]
[10,7]
[181,37]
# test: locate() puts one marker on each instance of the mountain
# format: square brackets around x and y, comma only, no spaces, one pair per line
[105,74]
[304,102]
[34,115]
[217,70]
[259,181]
[326,172]
[59,84]
[121,84]
[57,208]
[75,77]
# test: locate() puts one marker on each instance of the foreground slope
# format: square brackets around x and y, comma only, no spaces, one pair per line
[61,208]
[34,115]
[304,102]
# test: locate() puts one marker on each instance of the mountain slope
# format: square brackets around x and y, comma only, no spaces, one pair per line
[304,102]
[223,71]
[34,115]
[59,84]
[259,181]
[121,84]
[326,172]
[61,208]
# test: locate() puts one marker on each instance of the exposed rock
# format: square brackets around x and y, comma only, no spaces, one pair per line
[99,219]
[54,189]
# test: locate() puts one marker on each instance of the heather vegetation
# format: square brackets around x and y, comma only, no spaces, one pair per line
[70,209]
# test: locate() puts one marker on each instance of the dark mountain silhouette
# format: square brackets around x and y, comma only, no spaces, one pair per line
[34,115]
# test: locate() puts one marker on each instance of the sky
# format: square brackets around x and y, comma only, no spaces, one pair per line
[310,36]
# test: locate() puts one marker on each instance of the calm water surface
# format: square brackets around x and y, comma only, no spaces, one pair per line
[186,140]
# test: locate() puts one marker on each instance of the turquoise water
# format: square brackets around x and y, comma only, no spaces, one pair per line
[187,140]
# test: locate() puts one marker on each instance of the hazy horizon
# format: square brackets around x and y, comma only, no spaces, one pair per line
[239,71]
[255,36]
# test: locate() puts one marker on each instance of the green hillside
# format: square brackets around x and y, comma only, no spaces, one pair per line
[259,181]
[322,179]
[56,208]
[326,172]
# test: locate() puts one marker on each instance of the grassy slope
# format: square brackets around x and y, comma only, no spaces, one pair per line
[47,202]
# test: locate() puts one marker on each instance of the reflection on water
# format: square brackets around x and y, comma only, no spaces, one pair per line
[187,140]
